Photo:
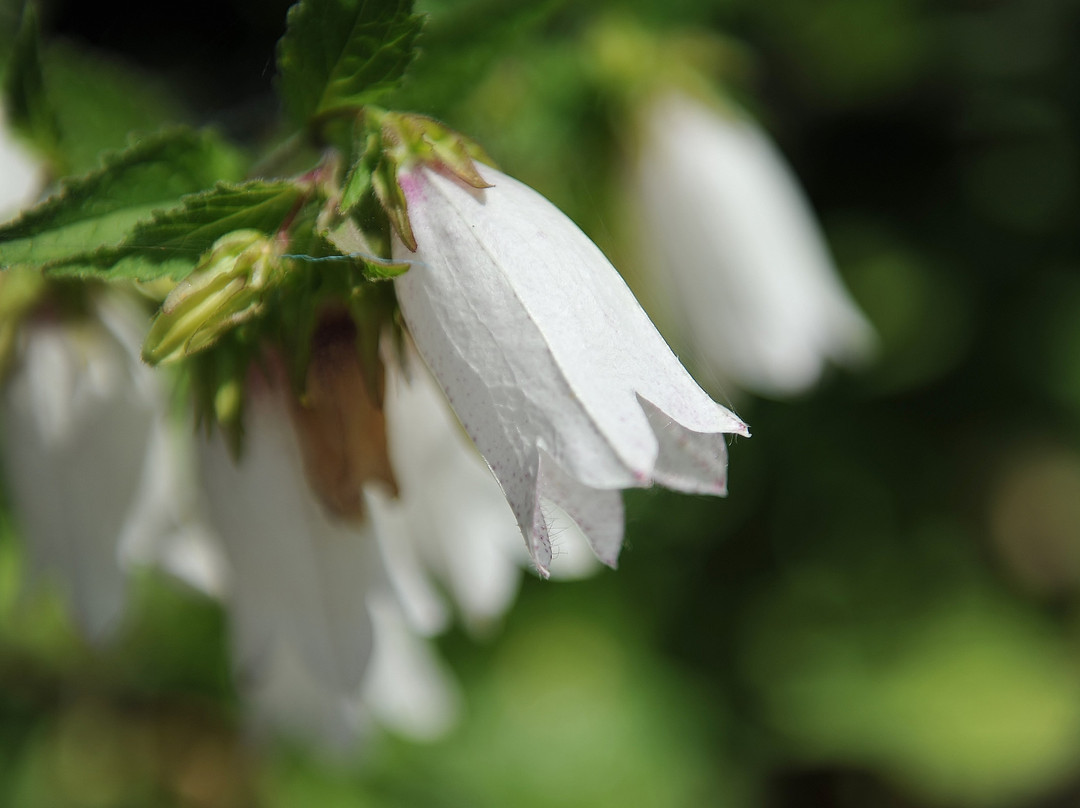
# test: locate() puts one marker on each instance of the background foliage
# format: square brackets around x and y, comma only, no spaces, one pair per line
[883,612]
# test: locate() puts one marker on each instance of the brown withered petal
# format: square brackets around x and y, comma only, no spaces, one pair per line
[340,422]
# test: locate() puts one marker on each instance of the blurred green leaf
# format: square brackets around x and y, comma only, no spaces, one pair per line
[28,109]
[101,103]
[342,54]
[97,210]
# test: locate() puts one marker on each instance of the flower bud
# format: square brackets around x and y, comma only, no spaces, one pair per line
[226,289]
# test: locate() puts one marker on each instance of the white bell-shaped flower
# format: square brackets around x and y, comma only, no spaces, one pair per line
[88,461]
[737,252]
[320,644]
[75,431]
[554,370]
[299,577]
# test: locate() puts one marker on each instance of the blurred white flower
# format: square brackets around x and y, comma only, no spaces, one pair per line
[319,642]
[94,467]
[738,251]
[84,443]
[555,371]
[20,174]
[75,432]
[299,577]
[406,689]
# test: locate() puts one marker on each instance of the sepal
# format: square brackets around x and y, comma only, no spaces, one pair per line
[397,141]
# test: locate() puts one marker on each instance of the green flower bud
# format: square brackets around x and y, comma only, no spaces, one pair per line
[226,289]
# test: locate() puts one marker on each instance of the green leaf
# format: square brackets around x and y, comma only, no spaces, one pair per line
[172,242]
[28,109]
[100,101]
[101,208]
[342,54]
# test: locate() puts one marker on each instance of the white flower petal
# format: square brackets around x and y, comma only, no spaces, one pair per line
[425,609]
[689,461]
[451,506]
[597,512]
[741,254]
[165,528]
[538,344]
[287,699]
[408,689]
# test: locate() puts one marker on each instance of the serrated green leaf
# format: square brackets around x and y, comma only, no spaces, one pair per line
[101,208]
[342,54]
[172,242]
[28,110]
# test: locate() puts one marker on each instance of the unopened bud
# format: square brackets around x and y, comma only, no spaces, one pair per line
[226,289]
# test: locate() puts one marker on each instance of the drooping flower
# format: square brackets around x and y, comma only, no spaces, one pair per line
[98,477]
[300,574]
[554,370]
[87,458]
[740,257]
[320,644]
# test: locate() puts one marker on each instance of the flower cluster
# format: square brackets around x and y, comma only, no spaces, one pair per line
[344,502]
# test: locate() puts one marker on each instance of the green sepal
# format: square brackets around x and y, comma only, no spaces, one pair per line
[388,190]
[173,241]
[433,142]
[338,55]
[358,182]
[226,289]
[406,140]
[349,240]
[99,209]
